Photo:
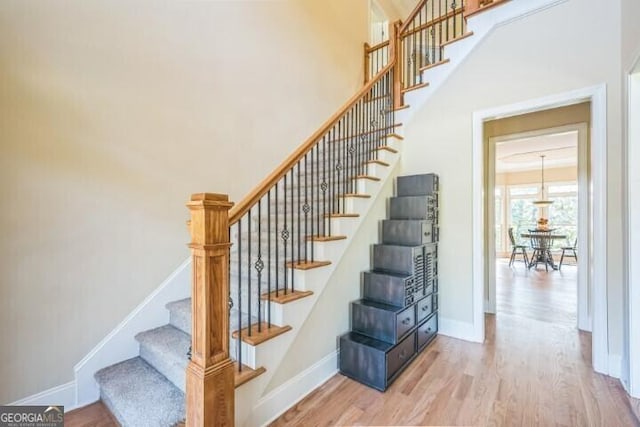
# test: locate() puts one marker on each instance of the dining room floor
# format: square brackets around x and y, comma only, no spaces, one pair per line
[548,296]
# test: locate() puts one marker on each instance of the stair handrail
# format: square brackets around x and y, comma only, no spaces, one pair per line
[416,10]
[258,192]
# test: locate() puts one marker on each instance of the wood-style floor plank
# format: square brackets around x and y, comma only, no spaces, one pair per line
[94,415]
[533,369]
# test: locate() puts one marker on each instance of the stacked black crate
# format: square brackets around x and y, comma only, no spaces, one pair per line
[397,316]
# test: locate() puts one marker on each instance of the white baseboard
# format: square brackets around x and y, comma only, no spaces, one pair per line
[460,330]
[615,365]
[120,343]
[64,395]
[276,402]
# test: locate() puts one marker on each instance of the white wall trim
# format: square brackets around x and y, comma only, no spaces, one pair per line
[457,329]
[598,97]
[64,395]
[632,359]
[615,365]
[120,343]
[583,290]
[280,399]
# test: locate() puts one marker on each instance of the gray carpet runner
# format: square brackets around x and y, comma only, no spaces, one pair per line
[148,391]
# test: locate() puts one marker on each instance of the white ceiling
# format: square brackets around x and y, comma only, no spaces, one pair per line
[518,155]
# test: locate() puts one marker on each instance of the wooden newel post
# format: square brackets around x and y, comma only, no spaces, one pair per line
[210,373]
[395,54]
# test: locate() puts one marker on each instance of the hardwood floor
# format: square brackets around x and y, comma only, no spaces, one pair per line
[94,415]
[533,369]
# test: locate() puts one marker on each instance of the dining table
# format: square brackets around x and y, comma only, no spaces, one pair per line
[551,236]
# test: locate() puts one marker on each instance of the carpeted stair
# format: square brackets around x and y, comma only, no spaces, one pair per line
[149,390]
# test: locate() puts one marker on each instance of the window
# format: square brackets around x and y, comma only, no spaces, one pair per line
[563,213]
[523,214]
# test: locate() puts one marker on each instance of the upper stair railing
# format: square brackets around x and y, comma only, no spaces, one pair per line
[432,25]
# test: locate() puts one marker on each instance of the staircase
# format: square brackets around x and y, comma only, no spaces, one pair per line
[286,237]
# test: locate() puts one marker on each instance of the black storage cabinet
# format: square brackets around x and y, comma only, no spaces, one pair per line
[397,316]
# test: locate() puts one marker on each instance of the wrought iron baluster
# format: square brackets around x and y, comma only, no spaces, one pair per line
[311,206]
[259,265]
[269,258]
[305,208]
[324,186]
[440,31]
[318,183]
[239,339]
[293,261]
[277,230]
[285,234]
[249,331]
[300,239]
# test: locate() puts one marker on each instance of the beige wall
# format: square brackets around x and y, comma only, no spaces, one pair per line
[630,46]
[111,114]
[518,62]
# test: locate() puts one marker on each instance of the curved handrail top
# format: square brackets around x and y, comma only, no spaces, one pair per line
[256,194]
[412,16]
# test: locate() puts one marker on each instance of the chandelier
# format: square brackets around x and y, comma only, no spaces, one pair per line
[542,203]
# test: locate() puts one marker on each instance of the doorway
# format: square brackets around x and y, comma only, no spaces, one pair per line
[597,155]
[514,172]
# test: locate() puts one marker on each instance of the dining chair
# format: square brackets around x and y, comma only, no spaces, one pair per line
[541,245]
[570,251]
[517,249]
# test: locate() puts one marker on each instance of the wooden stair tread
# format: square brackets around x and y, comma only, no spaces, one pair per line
[342,215]
[246,374]
[464,36]
[307,265]
[435,64]
[369,177]
[402,107]
[258,337]
[386,148]
[414,87]
[283,298]
[325,238]
[378,162]
[395,135]
[356,196]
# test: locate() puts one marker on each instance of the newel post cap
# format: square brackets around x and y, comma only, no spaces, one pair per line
[209,199]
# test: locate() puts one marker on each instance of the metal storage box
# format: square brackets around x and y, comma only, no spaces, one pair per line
[414,207]
[417,185]
[424,308]
[407,232]
[394,289]
[382,321]
[374,362]
[399,259]
[426,332]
